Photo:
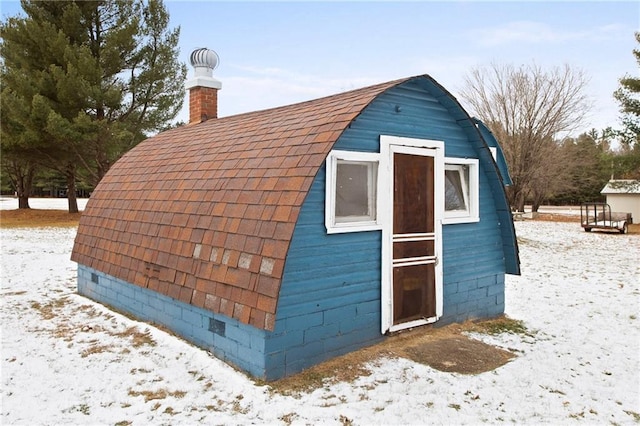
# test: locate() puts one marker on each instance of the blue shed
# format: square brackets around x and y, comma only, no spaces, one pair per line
[281,238]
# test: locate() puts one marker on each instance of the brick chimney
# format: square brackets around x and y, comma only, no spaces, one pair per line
[203,88]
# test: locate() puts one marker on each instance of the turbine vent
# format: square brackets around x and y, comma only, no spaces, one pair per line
[204,61]
[202,87]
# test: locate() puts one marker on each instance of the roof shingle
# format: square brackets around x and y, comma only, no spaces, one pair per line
[205,213]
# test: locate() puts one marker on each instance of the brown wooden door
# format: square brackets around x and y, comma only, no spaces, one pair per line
[414,238]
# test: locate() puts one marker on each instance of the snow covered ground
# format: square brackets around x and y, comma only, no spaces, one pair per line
[68,360]
[10,203]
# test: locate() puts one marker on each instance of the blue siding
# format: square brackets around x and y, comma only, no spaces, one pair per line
[501,162]
[329,301]
[330,296]
[241,345]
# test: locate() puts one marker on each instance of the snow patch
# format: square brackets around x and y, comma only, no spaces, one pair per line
[66,359]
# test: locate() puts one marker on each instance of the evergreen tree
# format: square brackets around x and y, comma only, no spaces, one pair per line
[17,159]
[83,82]
[628,95]
[586,170]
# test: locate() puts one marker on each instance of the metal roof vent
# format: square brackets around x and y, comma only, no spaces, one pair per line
[202,87]
[204,61]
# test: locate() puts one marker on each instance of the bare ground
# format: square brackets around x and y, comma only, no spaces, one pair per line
[29,218]
[443,348]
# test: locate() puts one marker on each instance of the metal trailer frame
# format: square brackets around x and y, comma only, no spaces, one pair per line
[599,216]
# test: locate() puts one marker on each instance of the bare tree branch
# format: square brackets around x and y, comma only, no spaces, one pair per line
[528,109]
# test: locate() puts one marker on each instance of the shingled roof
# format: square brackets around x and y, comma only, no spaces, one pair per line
[205,213]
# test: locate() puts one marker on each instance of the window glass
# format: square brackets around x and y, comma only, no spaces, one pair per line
[456,188]
[353,191]
[461,201]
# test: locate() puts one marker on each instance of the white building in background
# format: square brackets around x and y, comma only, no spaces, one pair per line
[623,195]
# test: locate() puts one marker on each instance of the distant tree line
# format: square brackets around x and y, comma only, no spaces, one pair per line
[589,163]
[529,110]
[82,83]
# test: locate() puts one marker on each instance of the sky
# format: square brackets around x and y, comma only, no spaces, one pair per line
[278,53]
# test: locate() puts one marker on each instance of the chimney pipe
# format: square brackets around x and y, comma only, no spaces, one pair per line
[203,88]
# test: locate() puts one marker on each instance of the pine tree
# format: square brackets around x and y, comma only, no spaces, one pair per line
[628,95]
[84,82]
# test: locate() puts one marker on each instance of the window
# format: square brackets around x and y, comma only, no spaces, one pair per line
[494,153]
[456,192]
[461,202]
[355,185]
[351,195]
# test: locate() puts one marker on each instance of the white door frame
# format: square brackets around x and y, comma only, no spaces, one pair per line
[389,145]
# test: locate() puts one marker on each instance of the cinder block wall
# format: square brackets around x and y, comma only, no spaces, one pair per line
[228,339]
[299,342]
[471,299]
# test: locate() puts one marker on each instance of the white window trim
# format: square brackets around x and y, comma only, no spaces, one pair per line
[472,198]
[460,168]
[332,226]
[494,153]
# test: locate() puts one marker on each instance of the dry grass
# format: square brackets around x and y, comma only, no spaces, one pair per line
[15,293]
[157,394]
[96,349]
[138,338]
[67,331]
[50,310]
[557,217]
[349,367]
[499,325]
[34,218]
